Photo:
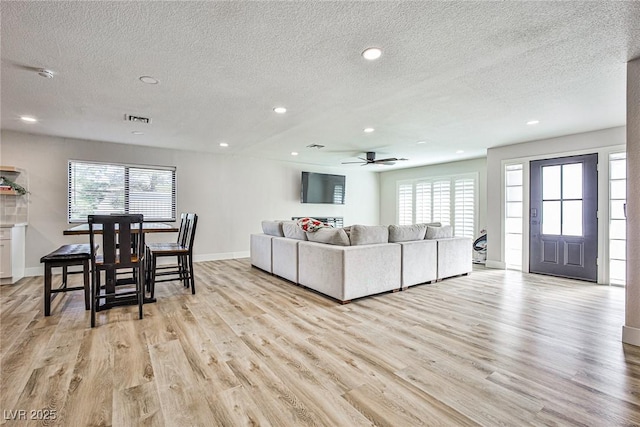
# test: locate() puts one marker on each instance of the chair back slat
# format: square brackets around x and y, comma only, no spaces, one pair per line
[117,238]
[182,233]
[192,221]
[109,243]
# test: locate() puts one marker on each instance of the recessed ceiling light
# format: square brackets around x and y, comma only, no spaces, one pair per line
[459,151]
[28,119]
[137,132]
[421,142]
[533,122]
[280,110]
[368,130]
[372,53]
[149,80]
[294,153]
[224,144]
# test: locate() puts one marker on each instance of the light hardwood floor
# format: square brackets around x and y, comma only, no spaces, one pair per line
[492,348]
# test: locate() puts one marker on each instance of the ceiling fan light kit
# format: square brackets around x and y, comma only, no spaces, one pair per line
[371,160]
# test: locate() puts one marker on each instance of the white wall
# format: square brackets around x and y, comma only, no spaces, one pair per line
[389,180]
[631,328]
[601,142]
[231,194]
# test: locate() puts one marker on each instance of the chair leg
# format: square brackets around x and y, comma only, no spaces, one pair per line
[153,275]
[184,271]
[140,289]
[191,274]
[147,274]
[94,297]
[87,291]
[64,277]
[47,289]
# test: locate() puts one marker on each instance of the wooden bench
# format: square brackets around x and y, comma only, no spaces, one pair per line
[66,256]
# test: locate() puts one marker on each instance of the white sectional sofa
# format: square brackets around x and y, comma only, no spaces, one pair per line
[360,260]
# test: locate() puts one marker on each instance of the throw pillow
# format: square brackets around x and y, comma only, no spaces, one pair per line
[432,224]
[369,234]
[292,230]
[272,228]
[406,233]
[311,224]
[330,236]
[443,232]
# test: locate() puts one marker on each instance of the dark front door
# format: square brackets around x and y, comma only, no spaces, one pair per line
[564,217]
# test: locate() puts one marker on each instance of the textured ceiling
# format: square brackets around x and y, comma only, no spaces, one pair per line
[458,75]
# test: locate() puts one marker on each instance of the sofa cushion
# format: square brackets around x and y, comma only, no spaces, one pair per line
[443,232]
[407,233]
[331,236]
[293,231]
[311,224]
[272,228]
[432,224]
[369,234]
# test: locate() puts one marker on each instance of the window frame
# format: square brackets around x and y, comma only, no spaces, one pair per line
[452,197]
[126,178]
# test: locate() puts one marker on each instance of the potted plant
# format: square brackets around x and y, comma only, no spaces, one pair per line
[9,184]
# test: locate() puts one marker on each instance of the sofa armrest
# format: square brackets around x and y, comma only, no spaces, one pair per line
[419,262]
[454,256]
[260,251]
[348,272]
[284,258]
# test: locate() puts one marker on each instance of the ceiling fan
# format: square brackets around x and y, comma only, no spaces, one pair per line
[371,160]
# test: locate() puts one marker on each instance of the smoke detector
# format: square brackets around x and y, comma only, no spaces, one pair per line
[48,74]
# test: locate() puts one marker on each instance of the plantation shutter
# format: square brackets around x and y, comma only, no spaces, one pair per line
[442,202]
[423,202]
[464,224]
[405,204]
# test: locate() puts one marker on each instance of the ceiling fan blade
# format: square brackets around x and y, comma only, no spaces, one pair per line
[351,163]
[390,159]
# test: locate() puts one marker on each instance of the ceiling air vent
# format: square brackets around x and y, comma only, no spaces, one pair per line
[136,119]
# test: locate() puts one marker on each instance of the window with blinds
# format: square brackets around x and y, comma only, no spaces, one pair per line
[405,204]
[465,207]
[450,200]
[103,189]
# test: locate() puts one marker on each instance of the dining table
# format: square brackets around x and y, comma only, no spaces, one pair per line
[147,227]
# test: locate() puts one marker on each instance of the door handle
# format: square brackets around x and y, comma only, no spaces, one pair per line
[534,213]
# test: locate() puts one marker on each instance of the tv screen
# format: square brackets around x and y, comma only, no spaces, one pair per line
[322,188]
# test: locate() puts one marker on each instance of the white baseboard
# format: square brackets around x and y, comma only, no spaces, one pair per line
[220,256]
[631,335]
[496,264]
[39,271]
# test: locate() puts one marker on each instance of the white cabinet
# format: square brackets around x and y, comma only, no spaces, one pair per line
[12,253]
[5,253]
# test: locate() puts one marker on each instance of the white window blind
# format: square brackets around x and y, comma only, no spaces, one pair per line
[100,188]
[405,204]
[464,224]
[423,202]
[442,202]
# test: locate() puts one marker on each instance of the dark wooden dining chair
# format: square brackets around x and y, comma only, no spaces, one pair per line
[122,249]
[182,249]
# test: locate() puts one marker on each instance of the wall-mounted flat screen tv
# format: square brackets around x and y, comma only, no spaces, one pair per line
[322,188]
